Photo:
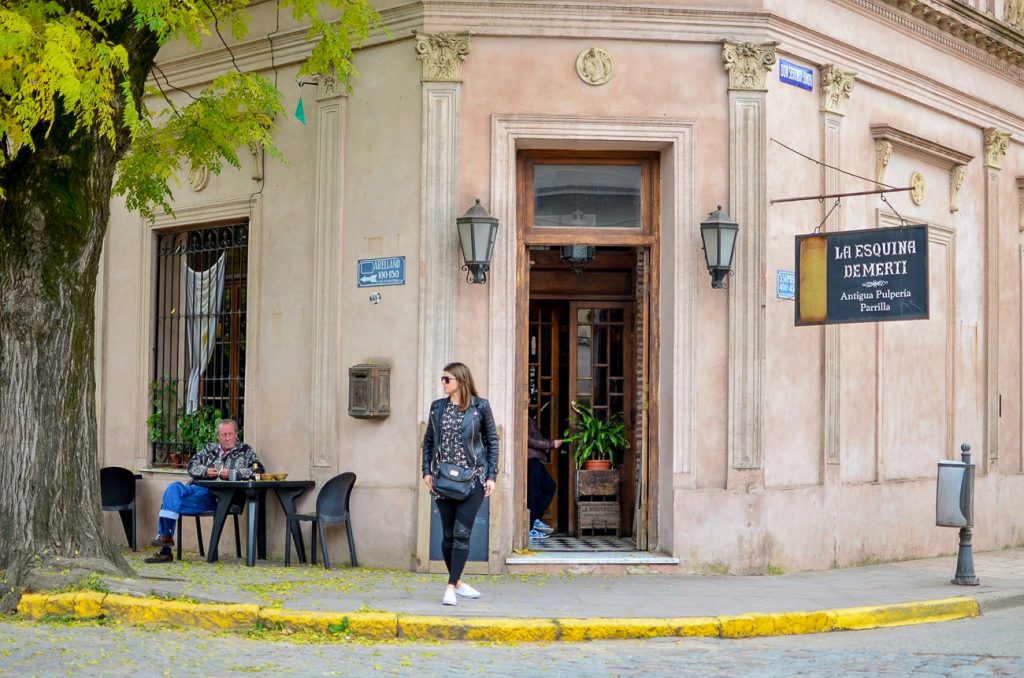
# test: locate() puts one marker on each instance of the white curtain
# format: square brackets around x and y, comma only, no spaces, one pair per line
[204,293]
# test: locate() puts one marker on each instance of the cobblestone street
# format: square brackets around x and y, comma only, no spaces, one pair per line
[988,645]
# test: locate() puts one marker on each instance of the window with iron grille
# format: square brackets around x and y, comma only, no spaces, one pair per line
[199,336]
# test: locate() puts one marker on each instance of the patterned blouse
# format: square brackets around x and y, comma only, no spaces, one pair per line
[451,450]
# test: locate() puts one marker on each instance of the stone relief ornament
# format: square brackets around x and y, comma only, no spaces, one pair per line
[595,66]
[996,143]
[883,151]
[917,183]
[442,55]
[328,86]
[956,180]
[257,161]
[748,63]
[1020,203]
[198,177]
[836,85]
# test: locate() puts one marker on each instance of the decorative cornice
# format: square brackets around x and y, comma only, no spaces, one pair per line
[442,55]
[836,85]
[996,143]
[748,63]
[911,144]
[1002,39]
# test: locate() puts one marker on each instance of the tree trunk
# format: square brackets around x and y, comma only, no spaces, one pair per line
[51,235]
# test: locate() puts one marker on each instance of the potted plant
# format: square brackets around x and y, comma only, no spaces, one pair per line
[596,439]
[198,428]
[162,428]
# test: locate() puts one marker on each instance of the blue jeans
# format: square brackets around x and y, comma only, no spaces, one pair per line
[182,500]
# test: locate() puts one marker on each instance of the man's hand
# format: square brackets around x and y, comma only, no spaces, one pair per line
[224,474]
[557,442]
[211,472]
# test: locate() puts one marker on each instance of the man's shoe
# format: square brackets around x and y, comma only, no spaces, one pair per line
[160,558]
[537,535]
[449,597]
[541,526]
[162,540]
[466,591]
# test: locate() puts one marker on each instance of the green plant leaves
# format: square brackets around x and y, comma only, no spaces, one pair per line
[593,436]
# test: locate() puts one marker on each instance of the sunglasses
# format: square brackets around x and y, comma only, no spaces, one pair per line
[448,380]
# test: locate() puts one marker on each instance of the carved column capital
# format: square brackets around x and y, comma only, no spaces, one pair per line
[328,86]
[442,55]
[836,85]
[748,63]
[996,143]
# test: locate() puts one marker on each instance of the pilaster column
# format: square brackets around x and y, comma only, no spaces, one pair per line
[328,376]
[441,56]
[836,85]
[747,65]
[996,143]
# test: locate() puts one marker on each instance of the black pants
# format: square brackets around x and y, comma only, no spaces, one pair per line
[457,519]
[540,489]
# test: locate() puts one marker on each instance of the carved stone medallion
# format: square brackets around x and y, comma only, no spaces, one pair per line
[917,183]
[198,177]
[595,66]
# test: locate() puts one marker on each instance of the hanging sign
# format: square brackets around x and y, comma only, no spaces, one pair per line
[862,276]
[383,271]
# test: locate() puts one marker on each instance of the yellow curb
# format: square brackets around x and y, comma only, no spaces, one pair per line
[925,612]
[775,624]
[377,625]
[210,616]
[383,625]
[574,630]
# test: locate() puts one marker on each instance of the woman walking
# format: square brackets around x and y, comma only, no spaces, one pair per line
[462,442]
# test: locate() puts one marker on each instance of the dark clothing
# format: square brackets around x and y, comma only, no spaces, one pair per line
[452,450]
[457,519]
[479,437]
[540,489]
[538,447]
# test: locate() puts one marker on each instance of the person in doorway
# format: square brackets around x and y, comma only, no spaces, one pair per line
[216,460]
[540,486]
[460,431]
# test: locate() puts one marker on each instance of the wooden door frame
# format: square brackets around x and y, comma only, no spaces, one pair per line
[646,237]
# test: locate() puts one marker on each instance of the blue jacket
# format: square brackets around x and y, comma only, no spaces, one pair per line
[479,436]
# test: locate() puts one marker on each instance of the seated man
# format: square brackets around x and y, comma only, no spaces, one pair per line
[540,486]
[227,454]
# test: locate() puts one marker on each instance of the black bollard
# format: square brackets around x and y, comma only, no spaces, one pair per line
[965,556]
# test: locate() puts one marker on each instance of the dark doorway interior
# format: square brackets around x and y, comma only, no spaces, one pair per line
[582,348]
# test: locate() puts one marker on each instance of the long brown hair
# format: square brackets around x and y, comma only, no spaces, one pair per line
[466,386]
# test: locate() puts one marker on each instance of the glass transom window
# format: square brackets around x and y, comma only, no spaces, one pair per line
[587,196]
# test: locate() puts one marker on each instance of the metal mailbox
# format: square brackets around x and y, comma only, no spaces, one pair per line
[369,391]
[954,495]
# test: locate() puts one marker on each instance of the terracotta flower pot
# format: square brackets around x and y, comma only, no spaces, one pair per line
[597,465]
[175,459]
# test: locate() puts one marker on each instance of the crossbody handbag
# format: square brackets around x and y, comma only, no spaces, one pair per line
[453,481]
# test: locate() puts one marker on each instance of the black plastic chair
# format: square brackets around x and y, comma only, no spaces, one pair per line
[117,493]
[331,507]
[233,512]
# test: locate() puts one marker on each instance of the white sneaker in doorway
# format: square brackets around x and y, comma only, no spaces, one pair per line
[449,597]
[466,591]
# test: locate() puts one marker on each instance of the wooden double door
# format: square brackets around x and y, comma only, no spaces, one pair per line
[583,351]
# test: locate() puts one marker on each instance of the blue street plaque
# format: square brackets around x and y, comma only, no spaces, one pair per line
[785,284]
[383,271]
[799,76]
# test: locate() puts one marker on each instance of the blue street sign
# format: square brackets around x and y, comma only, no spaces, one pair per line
[791,74]
[785,284]
[383,271]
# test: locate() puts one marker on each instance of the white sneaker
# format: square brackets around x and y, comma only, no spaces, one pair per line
[449,597]
[541,526]
[466,591]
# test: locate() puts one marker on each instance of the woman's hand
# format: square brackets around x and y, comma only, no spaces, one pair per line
[429,480]
[488,487]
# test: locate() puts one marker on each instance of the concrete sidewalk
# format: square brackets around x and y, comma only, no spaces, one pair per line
[859,597]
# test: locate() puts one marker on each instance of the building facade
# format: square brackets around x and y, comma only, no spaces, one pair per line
[616,126]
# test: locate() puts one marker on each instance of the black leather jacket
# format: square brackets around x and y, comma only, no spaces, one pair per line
[479,436]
